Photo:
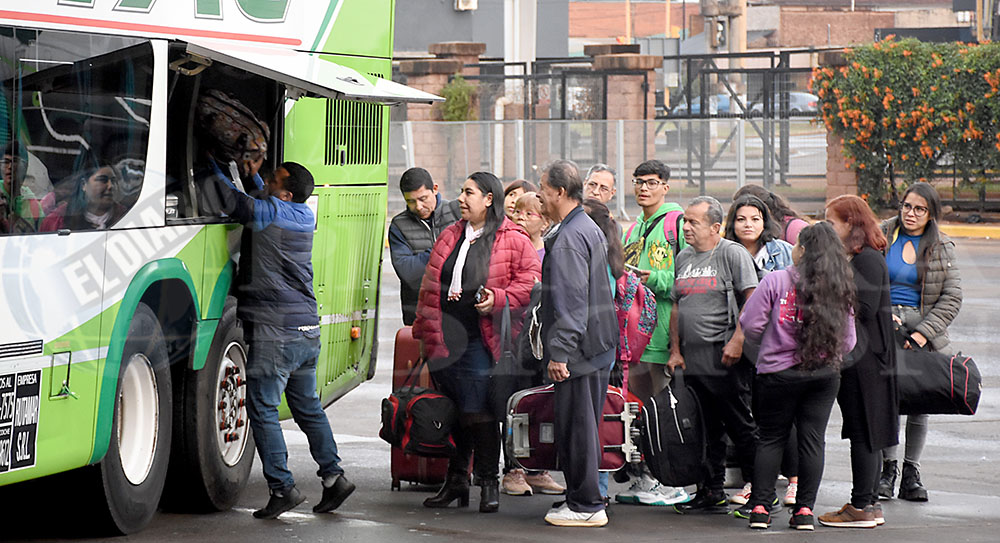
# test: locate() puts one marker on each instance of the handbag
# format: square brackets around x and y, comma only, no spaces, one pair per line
[932,383]
[508,375]
[419,420]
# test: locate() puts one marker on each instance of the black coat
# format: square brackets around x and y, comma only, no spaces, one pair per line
[867,395]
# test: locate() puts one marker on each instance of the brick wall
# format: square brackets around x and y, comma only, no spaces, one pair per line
[802,28]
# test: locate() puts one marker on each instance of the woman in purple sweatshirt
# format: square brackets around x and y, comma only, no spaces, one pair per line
[803,318]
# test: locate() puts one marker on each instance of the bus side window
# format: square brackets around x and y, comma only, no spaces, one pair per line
[79,120]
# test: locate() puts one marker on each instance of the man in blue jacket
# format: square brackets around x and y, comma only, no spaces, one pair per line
[276,303]
[413,232]
[580,340]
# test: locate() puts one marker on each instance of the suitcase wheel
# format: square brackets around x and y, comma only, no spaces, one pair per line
[635,457]
[395,484]
[634,432]
[633,408]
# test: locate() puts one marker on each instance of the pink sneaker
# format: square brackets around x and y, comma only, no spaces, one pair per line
[514,483]
[543,483]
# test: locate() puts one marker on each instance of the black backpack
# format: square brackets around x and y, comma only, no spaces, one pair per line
[419,420]
[673,435]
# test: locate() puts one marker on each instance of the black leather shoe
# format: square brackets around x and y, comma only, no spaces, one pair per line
[910,487]
[456,487]
[489,497]
[334,495]
[279,503]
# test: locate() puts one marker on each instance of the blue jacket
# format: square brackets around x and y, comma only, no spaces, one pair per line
[779,257]
[274,284]
[579,325]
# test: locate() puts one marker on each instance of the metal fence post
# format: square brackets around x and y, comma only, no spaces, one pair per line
[620,166]
[408,143]
[519,131]
[741,152]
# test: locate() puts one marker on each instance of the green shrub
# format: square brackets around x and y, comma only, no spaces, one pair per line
[458,97]
[901,108]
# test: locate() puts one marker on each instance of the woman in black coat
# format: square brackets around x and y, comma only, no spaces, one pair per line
[867,394]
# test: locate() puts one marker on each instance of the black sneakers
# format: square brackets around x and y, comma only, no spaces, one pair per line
[280,502]
[334,495]
[745,511]
[704,503]
[760,518]
[803,519]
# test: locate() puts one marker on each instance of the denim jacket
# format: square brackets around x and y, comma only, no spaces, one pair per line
[779,257]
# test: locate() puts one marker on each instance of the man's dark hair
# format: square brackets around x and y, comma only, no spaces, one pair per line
[653,167]
[414,178]
[563,174]
[299,181]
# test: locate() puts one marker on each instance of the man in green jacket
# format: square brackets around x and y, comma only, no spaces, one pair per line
[650,248]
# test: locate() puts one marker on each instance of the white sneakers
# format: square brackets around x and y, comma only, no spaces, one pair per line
[741,497]
[791,493]
[564,516]
[646,490]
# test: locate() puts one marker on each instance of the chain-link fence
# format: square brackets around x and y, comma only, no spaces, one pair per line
[706,156]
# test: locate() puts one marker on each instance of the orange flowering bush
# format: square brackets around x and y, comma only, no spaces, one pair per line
[905,108]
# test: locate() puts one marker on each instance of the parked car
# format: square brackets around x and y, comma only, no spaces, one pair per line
[798,103]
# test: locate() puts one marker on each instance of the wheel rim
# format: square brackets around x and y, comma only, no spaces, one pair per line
[231,422]
[138,419]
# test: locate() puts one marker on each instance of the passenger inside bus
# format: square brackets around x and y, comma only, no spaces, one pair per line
[93,204]
[20,206]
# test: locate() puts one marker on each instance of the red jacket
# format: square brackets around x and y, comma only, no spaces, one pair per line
[514,268]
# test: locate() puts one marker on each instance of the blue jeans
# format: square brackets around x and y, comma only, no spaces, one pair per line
[289,366]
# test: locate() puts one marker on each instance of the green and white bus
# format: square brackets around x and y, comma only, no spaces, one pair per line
[121,360]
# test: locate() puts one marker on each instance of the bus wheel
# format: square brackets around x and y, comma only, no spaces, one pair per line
[134,469]
[215,455]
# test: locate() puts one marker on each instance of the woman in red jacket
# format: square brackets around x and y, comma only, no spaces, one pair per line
[476,266]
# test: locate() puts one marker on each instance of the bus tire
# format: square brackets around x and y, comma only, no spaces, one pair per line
[214,451]
[134,469]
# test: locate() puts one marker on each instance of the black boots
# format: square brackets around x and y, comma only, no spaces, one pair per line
[910,487]
[279,502]
[887,483]
[456,487]
[489,496]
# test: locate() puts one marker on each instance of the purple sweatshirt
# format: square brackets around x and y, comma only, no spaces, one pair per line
[770,317]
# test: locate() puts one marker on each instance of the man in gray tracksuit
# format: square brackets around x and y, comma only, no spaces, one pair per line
[580,336]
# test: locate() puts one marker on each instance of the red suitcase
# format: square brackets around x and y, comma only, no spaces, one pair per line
[530,440]
[405,467]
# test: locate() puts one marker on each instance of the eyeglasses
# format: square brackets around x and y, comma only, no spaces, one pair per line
[526,213]
[651,183]
[592,186]
[918,211]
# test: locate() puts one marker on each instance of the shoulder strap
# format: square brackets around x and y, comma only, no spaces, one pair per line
[731,303]
[672,233]
[628,234]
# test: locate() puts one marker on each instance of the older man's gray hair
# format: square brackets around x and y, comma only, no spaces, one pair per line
[599,167]
[715,212]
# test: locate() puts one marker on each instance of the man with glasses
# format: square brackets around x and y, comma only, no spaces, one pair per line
[601,185]
[650,247]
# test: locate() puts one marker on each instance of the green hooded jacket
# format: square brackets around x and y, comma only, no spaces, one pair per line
[658,257]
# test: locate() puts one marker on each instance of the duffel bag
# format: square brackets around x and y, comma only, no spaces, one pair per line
[673,435]
[419,420]
[932,383]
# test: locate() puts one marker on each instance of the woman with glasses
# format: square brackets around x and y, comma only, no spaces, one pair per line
[528,215]
[926,294]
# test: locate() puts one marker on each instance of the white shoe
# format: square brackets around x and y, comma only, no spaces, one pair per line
[564,516]
[664,495]
[791,493]
[639,485]
[741,497]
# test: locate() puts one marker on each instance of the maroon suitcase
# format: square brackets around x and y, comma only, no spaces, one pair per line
[530,440]
[406,467]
